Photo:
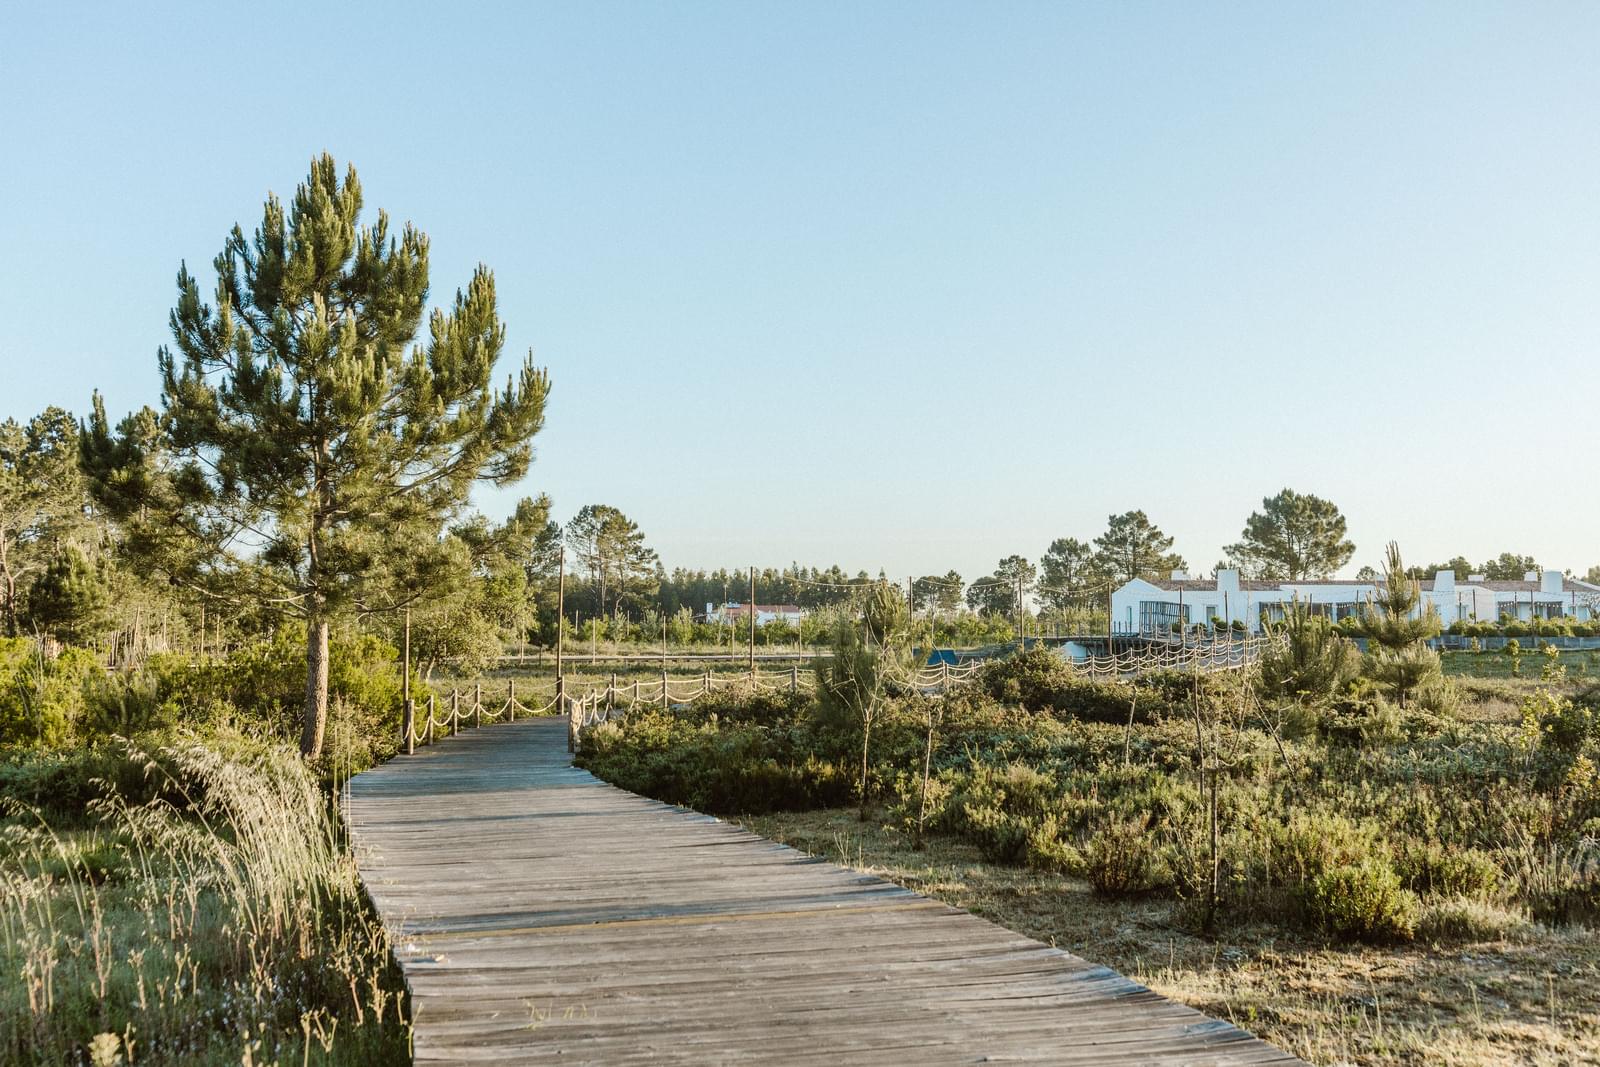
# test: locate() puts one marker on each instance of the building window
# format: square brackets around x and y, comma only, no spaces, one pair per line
[1158,615]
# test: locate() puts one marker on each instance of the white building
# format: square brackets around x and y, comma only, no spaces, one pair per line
[765,613]
[1143,606]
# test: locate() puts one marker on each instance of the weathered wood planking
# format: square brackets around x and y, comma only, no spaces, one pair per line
[541,914]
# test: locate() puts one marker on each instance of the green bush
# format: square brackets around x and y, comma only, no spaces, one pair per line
[1362,901]
[1310,843]
[72,699]
[726,769]
[1551,718]
[1361,716]
[1123,858]
[63,784]
[1041,679]
[42,698]
[1003,810]
[1434,869]
[742,704]
[1048,849]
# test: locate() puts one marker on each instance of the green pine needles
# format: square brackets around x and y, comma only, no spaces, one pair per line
[309,440]
[1398,656]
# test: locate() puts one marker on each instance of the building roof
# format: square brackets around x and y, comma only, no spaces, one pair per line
[1209,585]
[1568,585]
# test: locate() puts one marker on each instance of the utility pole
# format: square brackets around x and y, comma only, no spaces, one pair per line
[561,622]
[1022,636]
[408,710]
[752,621]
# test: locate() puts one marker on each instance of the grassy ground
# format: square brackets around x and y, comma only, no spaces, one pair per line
[1534,999]
[204,910]
[1581,666]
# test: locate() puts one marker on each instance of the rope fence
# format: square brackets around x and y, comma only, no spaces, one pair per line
[613,699]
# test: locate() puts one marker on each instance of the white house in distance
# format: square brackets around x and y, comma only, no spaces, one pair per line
[765,613]
[1143,606]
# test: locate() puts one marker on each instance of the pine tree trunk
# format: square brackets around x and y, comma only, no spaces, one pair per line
[316,708]
[11,587]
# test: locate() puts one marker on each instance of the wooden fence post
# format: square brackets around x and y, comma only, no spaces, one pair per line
[794,679]
[664,689]
[706,684]
[455,712]
[408,722]
[611,693]
[511,701]
[477,704]
[430,718]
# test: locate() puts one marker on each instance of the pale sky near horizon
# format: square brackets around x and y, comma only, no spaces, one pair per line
[899,286]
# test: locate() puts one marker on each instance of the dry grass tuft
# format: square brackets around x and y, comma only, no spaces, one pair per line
[228,928]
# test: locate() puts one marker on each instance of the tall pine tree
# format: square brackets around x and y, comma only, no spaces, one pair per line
[307,427]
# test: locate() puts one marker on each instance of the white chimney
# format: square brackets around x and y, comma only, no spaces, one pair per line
[1228,580]
[1180,575]
[1477,579]
[1530,576]
[1444,582]
[1551,583]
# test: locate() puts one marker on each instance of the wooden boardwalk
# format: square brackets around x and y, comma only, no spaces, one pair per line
[541,915]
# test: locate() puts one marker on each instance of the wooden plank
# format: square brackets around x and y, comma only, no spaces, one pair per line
[540,914]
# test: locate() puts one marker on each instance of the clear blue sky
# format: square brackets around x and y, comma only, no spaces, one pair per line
[904,286]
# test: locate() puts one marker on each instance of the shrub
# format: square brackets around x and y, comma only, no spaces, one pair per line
[725,769]
[1362,901]
[1439,697]
[1435,869]
[742,704]
[1310,843]
[1004,810]
[1361,716]
[1559,721]
[1047,849]
[42,698]
[63,784]
[1122,857]
[1041,679]
[1468,919]
[1312,662]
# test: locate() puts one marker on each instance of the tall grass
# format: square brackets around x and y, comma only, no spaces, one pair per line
[220,922]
